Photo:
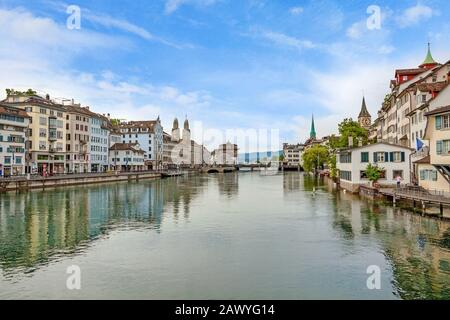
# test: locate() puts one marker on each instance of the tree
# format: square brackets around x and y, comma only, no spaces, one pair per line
[332,165]
[315,157]
[374,173]
[281,158]
[29,92]
[349,128]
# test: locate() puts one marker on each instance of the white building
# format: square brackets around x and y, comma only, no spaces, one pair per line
[226,154]
[127,157]
[13,128]
[149,136]
[393,159]
[99,143]
[293,155]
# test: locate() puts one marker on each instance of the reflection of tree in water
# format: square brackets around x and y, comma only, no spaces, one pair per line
[36,226]
[416,247]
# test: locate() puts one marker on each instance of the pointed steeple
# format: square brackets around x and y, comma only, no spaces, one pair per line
[312,134]
[364,112]
[429,61]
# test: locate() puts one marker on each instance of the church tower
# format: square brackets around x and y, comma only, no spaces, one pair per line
[364,118]
[312,134]
[429,62]
[175,131]
[186,132]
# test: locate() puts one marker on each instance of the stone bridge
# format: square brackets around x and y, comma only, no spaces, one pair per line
[218,169]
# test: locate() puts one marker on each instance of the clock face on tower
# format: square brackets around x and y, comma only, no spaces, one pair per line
[365,122]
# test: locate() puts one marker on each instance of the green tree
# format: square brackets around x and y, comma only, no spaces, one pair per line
[29,92]
[332,165]
[349,128]
[315,157]
[374,173]
[281,158]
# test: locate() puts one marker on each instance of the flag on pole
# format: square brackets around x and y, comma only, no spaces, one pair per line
[419,144]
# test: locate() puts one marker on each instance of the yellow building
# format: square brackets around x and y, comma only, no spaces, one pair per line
[434,170]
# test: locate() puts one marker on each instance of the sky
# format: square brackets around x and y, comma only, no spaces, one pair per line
[225,64]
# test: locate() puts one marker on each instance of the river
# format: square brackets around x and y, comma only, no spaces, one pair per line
[232,236]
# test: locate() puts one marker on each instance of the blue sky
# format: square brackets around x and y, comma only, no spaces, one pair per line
[229,64]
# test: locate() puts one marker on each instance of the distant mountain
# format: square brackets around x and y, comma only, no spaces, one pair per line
[262,156]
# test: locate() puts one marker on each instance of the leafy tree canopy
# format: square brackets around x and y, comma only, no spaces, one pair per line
[349,128]
[315,157]
[12,92]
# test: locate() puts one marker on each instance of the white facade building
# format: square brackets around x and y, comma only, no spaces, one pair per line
[127,157]
[293,155]
[149,136]
[13,128]
[99,144]
[393,159]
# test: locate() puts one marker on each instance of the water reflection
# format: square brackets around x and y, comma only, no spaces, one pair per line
[36,227]
[416,246]
[237,226]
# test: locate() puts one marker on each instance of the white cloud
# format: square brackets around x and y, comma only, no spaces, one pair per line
[414,15]
[356,30]
[295,11]
[173,5]
[285,40]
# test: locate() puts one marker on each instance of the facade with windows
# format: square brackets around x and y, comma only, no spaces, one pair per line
[78,132]
[13,136]
[393,159]
[99,147]
[293,155]
[127,157]
[46,133]
[149,136]
[434,170]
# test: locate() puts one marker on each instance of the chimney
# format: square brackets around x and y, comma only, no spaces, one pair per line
[350,142]
[360,142]
[47,97]
[87,107]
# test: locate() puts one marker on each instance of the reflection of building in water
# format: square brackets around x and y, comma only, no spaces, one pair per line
[228,184]
[35,226]
[291,182]
[414,245]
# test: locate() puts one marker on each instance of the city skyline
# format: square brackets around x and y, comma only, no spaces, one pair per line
[225,64]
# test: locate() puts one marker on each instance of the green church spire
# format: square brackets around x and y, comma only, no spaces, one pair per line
[312,134]
[429,58]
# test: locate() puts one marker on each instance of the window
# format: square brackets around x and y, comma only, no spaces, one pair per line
[396,157]
[364,157]
[345,158]
[363,175]
[42,121]
[443,147]
[380,156]
[346,175]
[430,175]
[397,173]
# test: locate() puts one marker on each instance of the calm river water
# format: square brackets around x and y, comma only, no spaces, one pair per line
[235,236]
